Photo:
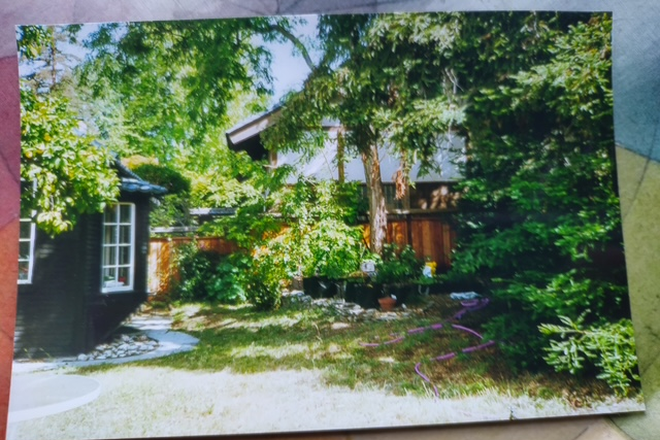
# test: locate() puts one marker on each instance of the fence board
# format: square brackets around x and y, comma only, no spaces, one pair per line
[430,237]
[163,271]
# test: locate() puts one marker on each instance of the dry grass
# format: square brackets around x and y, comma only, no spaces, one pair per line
[301,370]
[139,402]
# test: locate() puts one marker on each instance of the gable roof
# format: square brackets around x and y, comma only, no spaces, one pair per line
[245,136]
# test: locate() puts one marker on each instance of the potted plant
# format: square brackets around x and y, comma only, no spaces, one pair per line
[387,303]
[361,290]
[336,251]
[396,270]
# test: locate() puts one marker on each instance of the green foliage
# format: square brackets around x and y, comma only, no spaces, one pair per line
[264,280]
[510,326]
[170,210]
[382,78]
[173,208]
[48,68]
[318,241]
[283,230]
[610,347]
[65,174]
[208,276]
[539,206]
[162,175]
[398,265]
[336,249]
[163,81]
[32,41]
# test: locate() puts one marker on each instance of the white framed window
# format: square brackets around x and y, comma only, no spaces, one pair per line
[118,260]
[26,250]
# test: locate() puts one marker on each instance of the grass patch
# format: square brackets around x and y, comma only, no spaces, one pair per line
[244,340]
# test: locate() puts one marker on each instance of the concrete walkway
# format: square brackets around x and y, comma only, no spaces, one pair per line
[40,395]
[154,327]
[37,394]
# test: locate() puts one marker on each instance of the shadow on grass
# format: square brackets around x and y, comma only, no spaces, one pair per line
[247,341]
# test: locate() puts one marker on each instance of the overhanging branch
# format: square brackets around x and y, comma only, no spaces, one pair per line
[297,43]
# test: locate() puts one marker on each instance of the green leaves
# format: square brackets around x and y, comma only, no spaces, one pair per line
[611,347]
[398,265]
[175,83]
[539,210]
[64,174]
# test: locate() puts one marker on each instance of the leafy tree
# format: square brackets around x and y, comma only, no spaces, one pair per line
[172,209]
[64,174]
[530,93]
[163,89]
[49,68]
[282,231]
[164,176]
[540,226]
[378,78]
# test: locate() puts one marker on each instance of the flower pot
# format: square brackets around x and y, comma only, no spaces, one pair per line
[363,294]
[404,293]
[318,287]
[387,303]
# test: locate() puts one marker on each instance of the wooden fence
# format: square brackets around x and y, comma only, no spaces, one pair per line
[431,236]
[163,271]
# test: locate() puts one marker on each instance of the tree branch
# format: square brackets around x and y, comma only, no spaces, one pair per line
[297,43]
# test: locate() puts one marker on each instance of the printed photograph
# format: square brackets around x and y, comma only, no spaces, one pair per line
[320,222]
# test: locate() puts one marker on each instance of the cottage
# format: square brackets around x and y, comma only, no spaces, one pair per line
[76,288]
[421,218]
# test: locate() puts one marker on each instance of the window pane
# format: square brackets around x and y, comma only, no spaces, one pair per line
[110,235]
[24,250]
[109,274]
[23,270]
[118,249]
[110,215]
[125,255]
[125,213]
[109,255]
[26,229]
[25,213]
[125,234]
[124,276]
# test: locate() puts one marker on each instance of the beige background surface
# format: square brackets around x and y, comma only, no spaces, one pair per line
[636,39]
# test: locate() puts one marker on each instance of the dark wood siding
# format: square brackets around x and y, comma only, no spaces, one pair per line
[63,311]
[49,309]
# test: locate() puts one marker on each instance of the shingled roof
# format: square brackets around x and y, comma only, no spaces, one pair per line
[131,182]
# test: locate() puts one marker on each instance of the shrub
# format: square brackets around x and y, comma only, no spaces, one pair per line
[609,347]
[208,276]
[398,265]
[262,277]
[263,292]
[172,209]
[335,249]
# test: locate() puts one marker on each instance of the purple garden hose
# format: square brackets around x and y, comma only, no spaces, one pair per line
[423,376]
[468,306]
[465,329]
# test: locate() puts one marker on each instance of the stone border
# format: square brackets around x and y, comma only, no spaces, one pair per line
[169,342]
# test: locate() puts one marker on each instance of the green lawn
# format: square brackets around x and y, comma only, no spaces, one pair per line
[243,340]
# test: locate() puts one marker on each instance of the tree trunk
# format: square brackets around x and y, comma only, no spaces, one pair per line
[376,195]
